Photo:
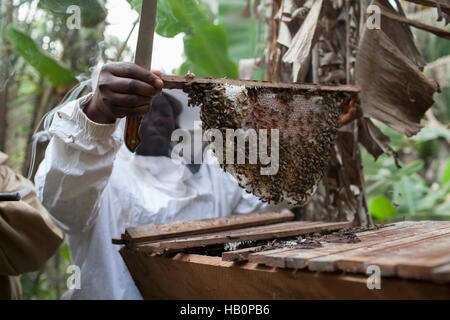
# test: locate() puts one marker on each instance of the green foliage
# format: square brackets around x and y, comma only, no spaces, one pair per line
[381,208]
[389,175]
[446,176]
[64,252]
[432,133]
[408,192]
[49,282]
[137,4]
[205,44]
[166,25]
[442,105]
[176,16]
[92,11]
[242,31]
[443,210]
[406,187]
[191,14]
[245,32]
[207,51]
[433,48]
[45,65]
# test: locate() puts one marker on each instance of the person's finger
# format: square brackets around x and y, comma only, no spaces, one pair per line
[126,100]
[121,112]
[129,86]
[343,120]
[347,117]
[158,73]
[133,71]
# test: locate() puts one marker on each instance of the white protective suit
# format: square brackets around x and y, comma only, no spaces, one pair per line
[94,188]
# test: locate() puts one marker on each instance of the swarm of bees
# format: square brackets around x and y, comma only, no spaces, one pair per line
[307,122]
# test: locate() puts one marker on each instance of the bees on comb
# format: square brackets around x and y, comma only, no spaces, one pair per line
[305,123]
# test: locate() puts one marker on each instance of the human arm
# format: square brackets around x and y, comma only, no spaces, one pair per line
[27,236]
[86,138]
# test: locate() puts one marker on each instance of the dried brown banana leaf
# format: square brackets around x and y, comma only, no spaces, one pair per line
[394,89]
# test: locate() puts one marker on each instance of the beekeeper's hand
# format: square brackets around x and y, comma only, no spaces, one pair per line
[350,110]
[124,89]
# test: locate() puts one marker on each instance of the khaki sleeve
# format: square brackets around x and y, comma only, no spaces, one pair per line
[27,236]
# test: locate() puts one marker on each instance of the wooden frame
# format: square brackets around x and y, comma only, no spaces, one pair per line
[190,276]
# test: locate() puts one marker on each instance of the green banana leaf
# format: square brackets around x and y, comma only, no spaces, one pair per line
[33,55]
[207,51]
[245,33]
[205,44]
[384,183]
[381,208]
[92,11]
[446,175]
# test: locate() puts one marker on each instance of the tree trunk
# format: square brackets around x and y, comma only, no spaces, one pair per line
[4,79]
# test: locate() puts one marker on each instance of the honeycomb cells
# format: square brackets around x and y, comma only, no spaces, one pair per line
[307,124]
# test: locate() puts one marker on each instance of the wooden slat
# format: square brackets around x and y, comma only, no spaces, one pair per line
[279,230]
[194,277]
[179,82]
[177,229]
[441,274]
[297,259]
[239,255]
[356,260]
[243,254]
[416,258]
[327,257]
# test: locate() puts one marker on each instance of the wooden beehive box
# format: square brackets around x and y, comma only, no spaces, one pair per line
[270,256]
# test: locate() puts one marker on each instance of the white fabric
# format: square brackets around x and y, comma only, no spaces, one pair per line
[95,188]
[189,118]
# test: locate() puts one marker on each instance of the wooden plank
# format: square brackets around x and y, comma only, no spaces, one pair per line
[171,230]
[180,82]
[240,255]
[187,276]
[327,257]
[414,259]
[280,230]
[356,260]
[143,58]
[329,261]
[298,258]
[441,274]
[246,234]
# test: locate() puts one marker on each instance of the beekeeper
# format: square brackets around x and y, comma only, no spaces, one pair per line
[28,238]
[95,188]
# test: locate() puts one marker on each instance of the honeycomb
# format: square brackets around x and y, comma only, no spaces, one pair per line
[307,123]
